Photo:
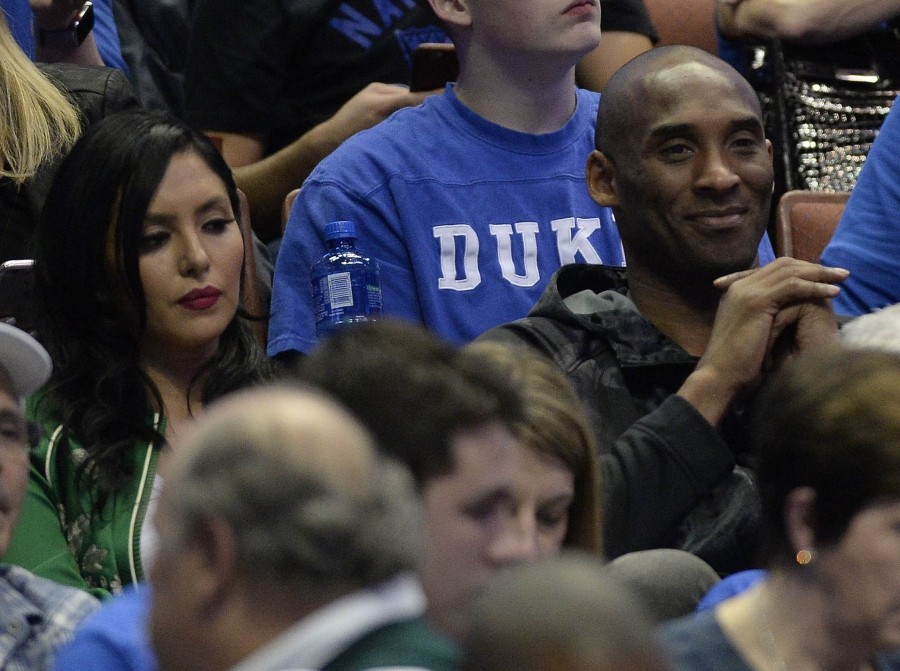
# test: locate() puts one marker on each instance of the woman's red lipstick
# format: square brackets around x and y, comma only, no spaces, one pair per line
[200,299]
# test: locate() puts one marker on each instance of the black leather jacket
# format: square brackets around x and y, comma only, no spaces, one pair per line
[97,92]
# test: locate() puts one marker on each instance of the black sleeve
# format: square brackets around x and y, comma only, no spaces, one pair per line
[657,473]
[117,95]
[236,66]
[97,91]
[629,16]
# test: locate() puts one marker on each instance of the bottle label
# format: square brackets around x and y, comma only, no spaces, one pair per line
[340,290]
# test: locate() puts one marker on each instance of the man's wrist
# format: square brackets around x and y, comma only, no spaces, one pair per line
[54,34]
[54,21]
[708,393]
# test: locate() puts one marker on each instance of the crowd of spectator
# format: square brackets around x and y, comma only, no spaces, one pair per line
[599,425]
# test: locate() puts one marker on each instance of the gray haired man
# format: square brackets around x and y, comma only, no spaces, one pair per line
[287,541]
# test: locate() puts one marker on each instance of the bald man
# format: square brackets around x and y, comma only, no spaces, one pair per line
[286,542]
[665,354]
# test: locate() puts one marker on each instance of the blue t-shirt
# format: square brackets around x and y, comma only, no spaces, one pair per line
[867,239]
[467,219]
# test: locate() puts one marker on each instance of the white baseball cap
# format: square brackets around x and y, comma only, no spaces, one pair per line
[25,360]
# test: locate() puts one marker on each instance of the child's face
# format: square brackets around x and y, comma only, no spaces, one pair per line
[567,29]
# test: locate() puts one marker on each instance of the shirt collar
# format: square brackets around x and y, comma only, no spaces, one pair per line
[320,637]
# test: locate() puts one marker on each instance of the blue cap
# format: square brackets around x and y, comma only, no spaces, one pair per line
[336,230]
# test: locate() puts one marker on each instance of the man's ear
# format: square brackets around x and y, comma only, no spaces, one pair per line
[215,563]
[601,179]
[453,12]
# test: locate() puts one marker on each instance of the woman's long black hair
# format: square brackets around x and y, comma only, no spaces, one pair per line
[90,304]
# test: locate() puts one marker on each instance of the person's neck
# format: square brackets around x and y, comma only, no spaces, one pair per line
[684,312]
[179,383]
[537,101]
[787,622]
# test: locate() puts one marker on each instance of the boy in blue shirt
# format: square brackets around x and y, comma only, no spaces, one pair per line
[471,200]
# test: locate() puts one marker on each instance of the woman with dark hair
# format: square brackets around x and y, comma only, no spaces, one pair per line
[138,278]
[828,444]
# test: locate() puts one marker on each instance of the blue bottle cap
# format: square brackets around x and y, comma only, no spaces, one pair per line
[340,229]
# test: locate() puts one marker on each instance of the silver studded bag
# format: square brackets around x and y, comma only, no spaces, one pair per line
[824,105]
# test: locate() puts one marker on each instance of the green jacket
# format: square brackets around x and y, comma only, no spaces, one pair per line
[59,537]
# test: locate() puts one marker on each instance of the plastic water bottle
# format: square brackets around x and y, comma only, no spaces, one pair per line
[346,286]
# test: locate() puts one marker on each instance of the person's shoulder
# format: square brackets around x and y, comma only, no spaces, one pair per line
[126,609]
[690,627]
[588,95]
[65,606]
[390,146]
[74,78]
[410,643]
[95,89]
[585,117]
[887,142]
[552,326]
[697,642]
[120,618]
[588,99]
[404,124]
[730,586]
[889,662]
[113,637]
[41,412]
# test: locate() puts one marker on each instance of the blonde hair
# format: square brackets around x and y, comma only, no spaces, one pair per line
[37,121]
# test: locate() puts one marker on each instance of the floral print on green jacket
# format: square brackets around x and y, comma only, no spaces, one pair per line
[60,536]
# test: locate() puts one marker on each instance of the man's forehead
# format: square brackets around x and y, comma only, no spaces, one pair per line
[654,83]
[676,74]
[669,105]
